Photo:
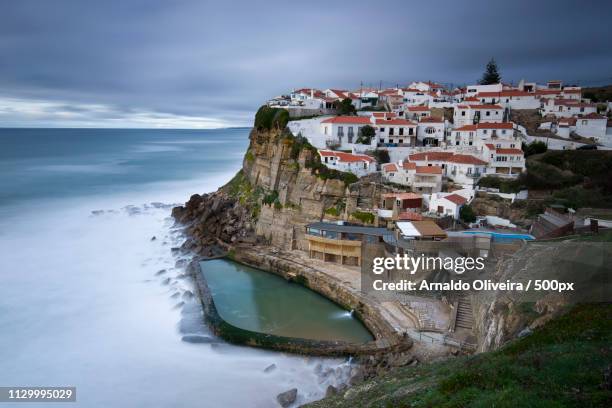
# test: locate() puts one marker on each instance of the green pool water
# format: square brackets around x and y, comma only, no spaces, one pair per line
[255,300]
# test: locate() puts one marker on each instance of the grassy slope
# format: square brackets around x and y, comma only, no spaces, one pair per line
[560,365]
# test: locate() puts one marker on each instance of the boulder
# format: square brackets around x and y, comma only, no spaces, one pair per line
[287,398]
[269,368]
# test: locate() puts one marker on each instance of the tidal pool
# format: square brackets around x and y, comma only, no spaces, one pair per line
[259,301]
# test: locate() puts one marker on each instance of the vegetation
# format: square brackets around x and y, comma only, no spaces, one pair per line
[503,185]
[373,109]
[268,118]
[365,217]
[345,107]
[467,214]
[249,157]
[565,363]
[240,188]
[535,147]
[367,133]
[382,156]
[337,209]
[598,94]
[491,74]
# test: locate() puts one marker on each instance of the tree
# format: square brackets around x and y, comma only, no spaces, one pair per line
[466,213]
[535,147]
[345,107]
[382,156]
[491,74]
[366,135]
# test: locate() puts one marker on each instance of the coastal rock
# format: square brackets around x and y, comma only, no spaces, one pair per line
[270,368]
[330,391]
[287,398]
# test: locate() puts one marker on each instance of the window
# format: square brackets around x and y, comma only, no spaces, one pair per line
[382,130]
[584,122]
[325,130]
[503,132]
[350,134]
[401,131]
[340,131]
[391,131]
[411,131]
[400,141]
[462,113]
[512,146]
[488,113]
[484,131]
[430,130]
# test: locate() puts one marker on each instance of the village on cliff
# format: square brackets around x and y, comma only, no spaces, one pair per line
[441,148]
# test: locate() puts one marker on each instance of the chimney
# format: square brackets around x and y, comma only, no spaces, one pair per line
[311,93]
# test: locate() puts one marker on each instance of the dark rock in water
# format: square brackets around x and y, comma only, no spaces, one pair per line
[197,338]
[270,368]
[175,249]
[331,390]
[187,295]
[287,398]
[97,212]
[160,272]
[153,238]
[166,281]
[181,263]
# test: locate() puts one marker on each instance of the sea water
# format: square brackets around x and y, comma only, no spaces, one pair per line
[91,294]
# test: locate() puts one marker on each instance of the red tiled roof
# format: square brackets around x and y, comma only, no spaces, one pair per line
[509,151]
[456,198]
[432,156]
[399,122]
[430,120]
[327,153]
[492,107]
[465,159]
[418,108]
[384,114]
[348,157]
[471,99]
[358,120]
[592,115]
[409,216]
[389,167]
[491,125]
[466,128]
[429,170]
[409,165]
[490,146]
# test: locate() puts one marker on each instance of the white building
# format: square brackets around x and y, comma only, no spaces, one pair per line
[417,112]
[446,204]
[592,125]
[342,131]
[424,179]
[504,161]
[358,164]
[430,131]
[476,135]
[566,108]
[513,99]
[392,132]
[463,169]
[472,113]
[473,90]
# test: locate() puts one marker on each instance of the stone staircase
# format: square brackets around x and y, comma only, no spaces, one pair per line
[465,316]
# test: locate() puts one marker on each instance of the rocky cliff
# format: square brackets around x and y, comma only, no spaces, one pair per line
[281,188]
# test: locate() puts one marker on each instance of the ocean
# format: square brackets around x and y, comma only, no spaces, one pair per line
[91,295]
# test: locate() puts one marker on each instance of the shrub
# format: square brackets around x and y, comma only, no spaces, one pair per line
[249,157]
[367,133]
[365,217]
[382,156]
[535,147]
[467,214]
[270,198]
[345,107]
[333,211]
[268,118]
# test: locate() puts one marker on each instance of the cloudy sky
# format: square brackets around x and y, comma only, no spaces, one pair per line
[158,63]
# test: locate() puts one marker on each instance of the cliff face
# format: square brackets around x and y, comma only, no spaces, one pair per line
[273,197]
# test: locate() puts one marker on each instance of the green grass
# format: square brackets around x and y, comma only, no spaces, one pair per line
[560,365]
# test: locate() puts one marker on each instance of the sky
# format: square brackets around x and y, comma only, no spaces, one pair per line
[202,64]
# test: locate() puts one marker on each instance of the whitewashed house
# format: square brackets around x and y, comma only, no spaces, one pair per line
[430,131]
[446,204]
[470,114]
[358,164]
[424,179]
[513,99]
[463,169]
[566,108]
[476,135]
[504,161]
[417,112]
[473,90]
[592,125]
[342,131]
[392,132]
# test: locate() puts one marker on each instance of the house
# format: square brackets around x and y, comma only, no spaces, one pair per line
[476,135]
[513,99]
[430,131]
[592,125]
[504,161]
[338,94]
[463,169]
[470,114]
[566,108]
[340,243]
[358,164]
[395,132]
[446,204]
[416,112]
[341,131]
[473,90]
[424,179]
